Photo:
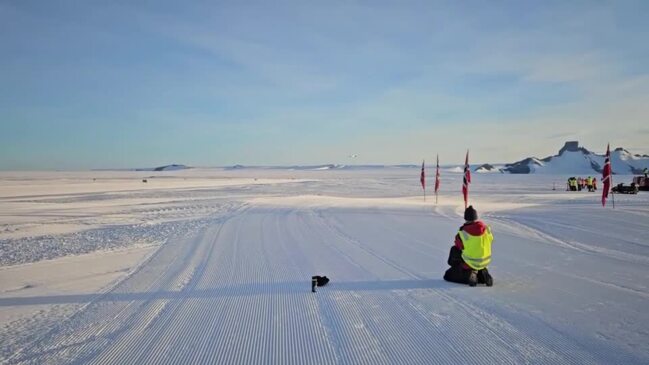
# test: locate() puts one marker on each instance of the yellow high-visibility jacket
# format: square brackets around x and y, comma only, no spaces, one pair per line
[476,250]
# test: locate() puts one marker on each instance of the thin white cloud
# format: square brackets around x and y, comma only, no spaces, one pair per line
[391,82]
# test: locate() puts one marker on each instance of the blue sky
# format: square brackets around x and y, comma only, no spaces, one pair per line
[130,84]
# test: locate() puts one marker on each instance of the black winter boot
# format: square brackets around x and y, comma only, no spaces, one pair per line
[473,278]
[481,279]
[488,280]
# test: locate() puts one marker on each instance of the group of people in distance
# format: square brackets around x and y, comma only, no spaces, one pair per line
[581,183]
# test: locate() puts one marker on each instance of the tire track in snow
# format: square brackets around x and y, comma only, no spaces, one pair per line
[346,340]
[501,358]
[87,331]
[586,249]
[517,227]
[161,346]
[404,350]
[193,323]
[318,351]
[512,342]
[103,321]
[125,329]
[305,269]
[160,320]
[241,322]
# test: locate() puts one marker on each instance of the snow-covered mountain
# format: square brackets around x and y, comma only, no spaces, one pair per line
[573,159]
[172,167]
[487,168]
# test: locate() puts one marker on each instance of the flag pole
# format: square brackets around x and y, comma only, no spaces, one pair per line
[436,179]
[422,178]
[466,180]
[607,178]
[611,178]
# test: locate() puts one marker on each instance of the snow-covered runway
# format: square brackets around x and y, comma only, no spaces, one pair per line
[571,286]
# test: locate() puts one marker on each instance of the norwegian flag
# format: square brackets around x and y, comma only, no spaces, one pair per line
[422,178]
[606,175]
[437,176]
[467,180]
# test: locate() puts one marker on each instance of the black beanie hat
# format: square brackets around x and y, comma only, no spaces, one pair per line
[470,214]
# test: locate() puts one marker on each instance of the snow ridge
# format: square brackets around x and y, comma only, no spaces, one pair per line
[573,159]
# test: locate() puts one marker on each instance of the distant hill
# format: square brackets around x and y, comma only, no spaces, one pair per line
[573,159]
[323,167]
[172,167]
[486,168]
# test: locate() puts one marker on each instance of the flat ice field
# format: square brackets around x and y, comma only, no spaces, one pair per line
[213,267]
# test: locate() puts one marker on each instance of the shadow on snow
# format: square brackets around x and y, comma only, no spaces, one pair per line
[290,288]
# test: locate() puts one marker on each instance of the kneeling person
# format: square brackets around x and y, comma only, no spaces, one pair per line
[471,254]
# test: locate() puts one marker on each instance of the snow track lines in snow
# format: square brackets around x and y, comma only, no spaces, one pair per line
[237,291]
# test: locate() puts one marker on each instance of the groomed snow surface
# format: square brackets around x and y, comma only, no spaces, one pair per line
[213,267]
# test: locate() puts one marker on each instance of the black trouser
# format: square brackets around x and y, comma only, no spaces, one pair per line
[457,273]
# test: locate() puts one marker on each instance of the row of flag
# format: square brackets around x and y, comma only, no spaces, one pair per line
[422,178]
[466,179]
